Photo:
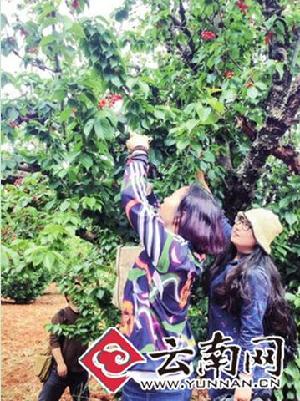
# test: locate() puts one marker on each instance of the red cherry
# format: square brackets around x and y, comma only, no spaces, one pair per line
[208,35]
[249,84]
[242,6]
[75,4]
[13,124]
[112,98]
[18,181]
[33,50]
[102,103]
[268,38]
[228,74]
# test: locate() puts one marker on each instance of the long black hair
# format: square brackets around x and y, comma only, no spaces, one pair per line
[278,319]
[199,220]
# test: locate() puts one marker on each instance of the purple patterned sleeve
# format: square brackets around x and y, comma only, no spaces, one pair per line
[140,213]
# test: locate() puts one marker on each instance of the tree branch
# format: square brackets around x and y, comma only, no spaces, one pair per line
[292,105]
[184,29]
[23,170]
[297,49]
[29,168]
[282,107]
[187,53]
[86,235]
[36,63]
[248,127]
[289,156]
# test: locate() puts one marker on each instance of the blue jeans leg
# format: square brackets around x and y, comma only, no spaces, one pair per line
[78,385]
[53,388]
[133,392]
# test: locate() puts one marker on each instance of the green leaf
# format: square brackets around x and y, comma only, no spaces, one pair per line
[191,124]
[116,81]
[3,21]
[99,130]
[4,259]
[45,10]
[65,114]
[49,260]
[86,161]
[111,117]
[12,114]
[7,254]
[229,95]
[160,115]
[216,105]
[209,156]
[182,144]
[204,114]
[65,205]
[6,78]
[52,38]
[89,202]
[100,293]
[252,92]
[203,165]
[103,129]
[88,127]
[261,85]
[290,218]
[144,87]
[77,30]
[121,14]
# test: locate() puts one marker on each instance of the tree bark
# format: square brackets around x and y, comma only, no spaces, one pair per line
[241,184]
[282,106]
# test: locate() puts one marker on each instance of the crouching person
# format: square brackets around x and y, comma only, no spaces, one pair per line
[65,370]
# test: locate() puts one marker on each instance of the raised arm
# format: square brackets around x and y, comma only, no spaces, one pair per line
[140,213]
[167,251]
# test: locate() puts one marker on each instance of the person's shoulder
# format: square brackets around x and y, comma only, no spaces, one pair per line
[258,272]
[257,278]
[60,316]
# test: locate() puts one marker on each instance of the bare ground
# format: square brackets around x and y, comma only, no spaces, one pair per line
[24,335]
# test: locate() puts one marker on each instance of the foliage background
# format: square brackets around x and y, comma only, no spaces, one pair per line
[208,103]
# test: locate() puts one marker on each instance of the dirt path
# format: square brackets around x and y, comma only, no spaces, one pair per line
[23,335]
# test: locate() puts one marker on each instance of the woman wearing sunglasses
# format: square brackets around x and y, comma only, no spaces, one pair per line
[246,297]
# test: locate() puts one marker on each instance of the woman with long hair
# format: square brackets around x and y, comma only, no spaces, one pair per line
[158,288]
[246,297]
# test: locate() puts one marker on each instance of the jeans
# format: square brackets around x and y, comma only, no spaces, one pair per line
[133,392]
[55,385]
[227,395]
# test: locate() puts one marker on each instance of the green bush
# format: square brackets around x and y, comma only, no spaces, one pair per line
[23,284]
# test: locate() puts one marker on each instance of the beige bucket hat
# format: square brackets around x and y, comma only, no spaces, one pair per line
[265,225]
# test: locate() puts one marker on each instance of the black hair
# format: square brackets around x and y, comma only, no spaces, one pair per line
[278,319]
[199,220]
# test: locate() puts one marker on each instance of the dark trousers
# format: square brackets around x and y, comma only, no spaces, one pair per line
[55,385]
